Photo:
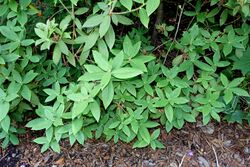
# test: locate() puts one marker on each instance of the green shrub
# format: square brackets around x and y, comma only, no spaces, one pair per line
[74,73]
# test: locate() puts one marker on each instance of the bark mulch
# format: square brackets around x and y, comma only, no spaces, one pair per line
[224,145]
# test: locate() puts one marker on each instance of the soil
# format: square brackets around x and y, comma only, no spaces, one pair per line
[224,145]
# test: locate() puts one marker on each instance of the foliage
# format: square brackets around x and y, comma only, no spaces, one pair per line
[80,78]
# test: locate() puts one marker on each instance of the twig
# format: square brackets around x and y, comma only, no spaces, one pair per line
[182,160]
[217,161]
[176,32]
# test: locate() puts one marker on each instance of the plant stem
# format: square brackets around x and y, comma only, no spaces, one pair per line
[176,32]
[126,12]
[65,7]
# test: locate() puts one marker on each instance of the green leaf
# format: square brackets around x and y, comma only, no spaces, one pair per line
[4,109]
[189,117]
[169,112]
[126,130]
[105,80]
[13,139]
[227,49]
[95,110]
[55,147]
[77,125]
[5,123]
[39,124]
[236,82]
[91,76]
[155,134]
[140,144]
[41,140]
[26,92]
[239,92]
[144,133]
[215,115]
[104,26]
[63,47]
[93,21]
[223,17]
[91,40]
[228,96]
[118,60]
[29,77]
[144,17]
[127,4]
[151,6]
[203,66]
[181,100]
[101,61]
[124,20]
[114,124]
[224,80]
[8,33]
[24,3]
[108,95]
[243,63]
[78,108]
[57,54]
[102,48]
[110,37]
[74,2]
[81,11]
[126,73]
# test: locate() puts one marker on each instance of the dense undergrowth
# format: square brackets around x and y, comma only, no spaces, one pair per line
[90,69]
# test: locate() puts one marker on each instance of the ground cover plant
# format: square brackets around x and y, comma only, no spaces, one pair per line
[119,69]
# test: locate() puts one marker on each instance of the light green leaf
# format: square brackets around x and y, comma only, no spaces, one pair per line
[239,91]
[104,26]
[169,112]
[5,123]
[127,4]
[124,20]
[91,40]
[93,21]
[26,92]
[4,106]
[126,130]
[74,2]
[110,37]
[95,110]
[77,125]
[236,82]
[151,6]
[8,33]
[105,80]
[63,47]
[144,18]
[39,124]
[24,3]
[55,146]
[228,96]
[144,133]
[78,108]
[101,61]
[224,80]
[118,60]
[29,77]
[108,95]
[126,73]
[57,54]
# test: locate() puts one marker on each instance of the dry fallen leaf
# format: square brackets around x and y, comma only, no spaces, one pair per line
[60,161]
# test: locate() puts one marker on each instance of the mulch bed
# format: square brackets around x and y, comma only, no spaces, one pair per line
[224,145]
